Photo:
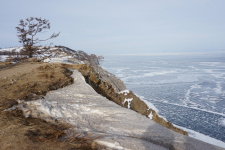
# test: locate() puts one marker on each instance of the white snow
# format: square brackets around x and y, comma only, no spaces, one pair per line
[128,100]
[125,92]
[46,51]
[187,95]
[222,122]
[150,115]
[3,57]
[17,49]
[58,60]
[115,145]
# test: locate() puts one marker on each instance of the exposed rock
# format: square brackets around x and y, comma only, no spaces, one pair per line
[78,56]
[107,90]
[110,78]
[100,57]
[94,59]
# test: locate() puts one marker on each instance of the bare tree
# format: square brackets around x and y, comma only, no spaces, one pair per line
[27,31]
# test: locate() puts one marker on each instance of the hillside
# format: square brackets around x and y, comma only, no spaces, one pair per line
[99,122]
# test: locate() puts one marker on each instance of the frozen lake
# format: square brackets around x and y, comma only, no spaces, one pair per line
[188,90]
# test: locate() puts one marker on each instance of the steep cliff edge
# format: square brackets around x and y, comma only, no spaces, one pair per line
[103,82]
[124,99]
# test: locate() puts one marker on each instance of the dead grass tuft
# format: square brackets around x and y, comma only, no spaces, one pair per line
[65,136]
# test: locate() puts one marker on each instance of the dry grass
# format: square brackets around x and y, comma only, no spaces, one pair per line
[66,135]
[30,81]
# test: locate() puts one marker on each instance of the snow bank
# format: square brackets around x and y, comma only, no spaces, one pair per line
[202,137]
[125,92]
[58,60]
[16,49]
[3,57]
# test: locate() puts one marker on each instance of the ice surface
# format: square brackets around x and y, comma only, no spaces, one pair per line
[222,122]
[187,90]
[218,88]
[187,95]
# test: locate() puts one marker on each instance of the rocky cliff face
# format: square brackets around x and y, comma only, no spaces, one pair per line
[110,78]
[76,57]
[124,99]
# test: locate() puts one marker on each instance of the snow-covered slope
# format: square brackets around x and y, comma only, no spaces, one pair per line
[72,56]
[120,128]
[13,49]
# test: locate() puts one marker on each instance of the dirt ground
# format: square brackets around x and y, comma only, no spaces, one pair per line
[30,81]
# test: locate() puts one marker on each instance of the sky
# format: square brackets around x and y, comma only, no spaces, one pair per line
[122,26]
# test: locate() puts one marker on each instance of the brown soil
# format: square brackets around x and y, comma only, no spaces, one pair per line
[30,81]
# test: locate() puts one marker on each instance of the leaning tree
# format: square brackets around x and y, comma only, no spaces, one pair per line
[27,33]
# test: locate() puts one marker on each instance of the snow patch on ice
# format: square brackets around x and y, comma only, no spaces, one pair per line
[222,122]
[128,100]
[187,95]
[151,74]
[218,88]
[202,137]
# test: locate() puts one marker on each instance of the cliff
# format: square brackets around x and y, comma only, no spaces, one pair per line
[132,126]
[106,89]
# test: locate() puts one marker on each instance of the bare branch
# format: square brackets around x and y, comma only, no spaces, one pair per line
[29,29]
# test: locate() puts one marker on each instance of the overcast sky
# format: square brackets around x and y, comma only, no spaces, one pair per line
[122,26]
